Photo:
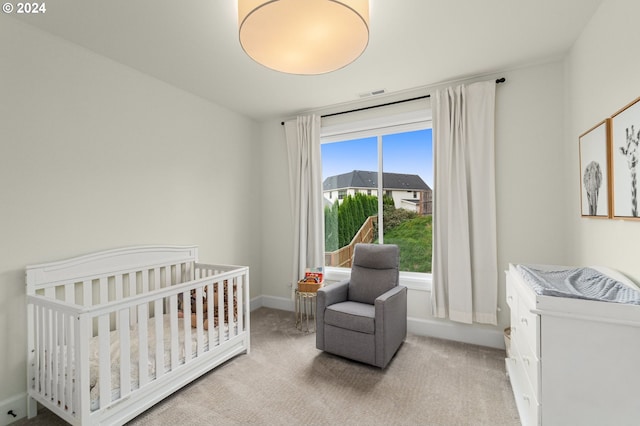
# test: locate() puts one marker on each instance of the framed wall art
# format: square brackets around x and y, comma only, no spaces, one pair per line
[625,134]
[594,171]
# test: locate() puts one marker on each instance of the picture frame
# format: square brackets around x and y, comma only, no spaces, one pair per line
[625,167]
[595,188]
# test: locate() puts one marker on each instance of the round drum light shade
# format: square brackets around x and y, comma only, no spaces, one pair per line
[304,36]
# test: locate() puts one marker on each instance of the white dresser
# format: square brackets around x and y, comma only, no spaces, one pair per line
[572,361]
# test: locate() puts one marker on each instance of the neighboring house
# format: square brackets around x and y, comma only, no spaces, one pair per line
[409,192]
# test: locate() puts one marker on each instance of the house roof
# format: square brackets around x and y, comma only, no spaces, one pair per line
[367,179]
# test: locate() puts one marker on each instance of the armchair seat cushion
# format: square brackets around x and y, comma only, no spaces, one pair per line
[353,316]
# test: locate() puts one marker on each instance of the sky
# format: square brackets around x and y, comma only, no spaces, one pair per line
[408,152]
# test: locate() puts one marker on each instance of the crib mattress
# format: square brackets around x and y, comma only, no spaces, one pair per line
[151,349]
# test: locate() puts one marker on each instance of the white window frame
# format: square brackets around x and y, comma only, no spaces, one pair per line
[419,119]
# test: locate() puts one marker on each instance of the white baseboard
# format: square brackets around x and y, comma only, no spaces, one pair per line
[273,302]
[458,332]
[17,405]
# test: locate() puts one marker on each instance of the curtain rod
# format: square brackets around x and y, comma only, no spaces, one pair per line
[498,81]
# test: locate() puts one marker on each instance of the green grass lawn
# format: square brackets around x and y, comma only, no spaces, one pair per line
[414,238]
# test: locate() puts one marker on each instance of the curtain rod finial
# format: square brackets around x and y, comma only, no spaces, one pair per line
[501,80]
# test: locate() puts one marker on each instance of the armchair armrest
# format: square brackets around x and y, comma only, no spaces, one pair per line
[391,314]
[392,295]
[333,293]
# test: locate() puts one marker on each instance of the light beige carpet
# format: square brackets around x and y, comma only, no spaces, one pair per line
[285,380]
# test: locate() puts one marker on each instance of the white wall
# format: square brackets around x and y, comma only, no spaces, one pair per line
[95,155]
[530,164]
[604,72]
[277,231]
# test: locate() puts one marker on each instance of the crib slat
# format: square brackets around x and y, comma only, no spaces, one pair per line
[35,367]
[125,353]
[63,372]
[159,338]
[69,293]
[178,273]
[210,317]
[220,302]
[187,326]
[119,287]
[240,303]
[49,352]
[133,290]
[199,323]
[58,373]
[55,356]
[104,359]
[145,281]
[87,293]
[104,290]
[156,278]
[188,270]
[229,307]
[119,295]
[69,333]
[50,292]
[82,336]
[143,339]
[174,330]
[42,351]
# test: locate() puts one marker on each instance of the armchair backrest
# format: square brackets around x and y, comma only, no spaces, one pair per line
[375,270]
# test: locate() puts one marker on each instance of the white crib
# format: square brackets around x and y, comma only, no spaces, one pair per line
[108,336]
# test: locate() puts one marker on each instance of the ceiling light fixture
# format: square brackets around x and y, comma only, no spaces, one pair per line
[304,37]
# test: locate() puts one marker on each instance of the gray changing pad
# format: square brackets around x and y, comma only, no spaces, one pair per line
[579,283]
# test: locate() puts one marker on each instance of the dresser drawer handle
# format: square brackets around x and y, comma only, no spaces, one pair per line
[526,360]
[526,399]
[524,321]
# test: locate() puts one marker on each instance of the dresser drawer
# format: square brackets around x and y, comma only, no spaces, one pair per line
[512,295]
[529,363]
[527,325]
[528,406]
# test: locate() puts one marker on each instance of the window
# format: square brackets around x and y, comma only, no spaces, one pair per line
[396,161]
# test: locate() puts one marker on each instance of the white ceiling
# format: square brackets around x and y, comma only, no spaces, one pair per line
[193,45]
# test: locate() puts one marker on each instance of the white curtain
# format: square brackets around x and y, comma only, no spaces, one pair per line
[305,189]
[465,271]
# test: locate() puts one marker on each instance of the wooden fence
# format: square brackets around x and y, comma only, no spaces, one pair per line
[342,257]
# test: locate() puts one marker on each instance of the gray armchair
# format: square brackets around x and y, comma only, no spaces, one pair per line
[364,318]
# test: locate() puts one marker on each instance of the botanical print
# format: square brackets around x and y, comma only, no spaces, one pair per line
[626,136]
[630,150]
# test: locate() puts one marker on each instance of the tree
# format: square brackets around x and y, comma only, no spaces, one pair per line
[343,220]
[331,227]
